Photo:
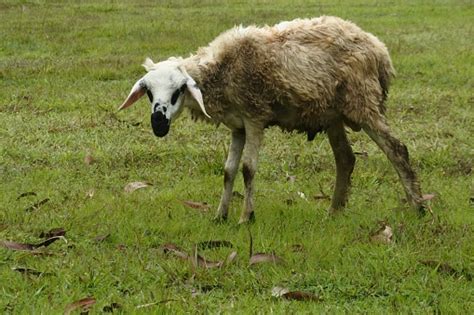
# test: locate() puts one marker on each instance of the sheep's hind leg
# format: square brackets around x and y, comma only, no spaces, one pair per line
[254,136]
[345,161]
[397,153]
[230,170]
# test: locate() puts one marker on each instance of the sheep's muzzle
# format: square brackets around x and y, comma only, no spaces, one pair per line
[160,124]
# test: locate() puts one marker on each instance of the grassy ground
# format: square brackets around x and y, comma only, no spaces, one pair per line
[64,68]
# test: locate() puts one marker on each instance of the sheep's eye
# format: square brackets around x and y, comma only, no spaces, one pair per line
[150,96]
[175,96]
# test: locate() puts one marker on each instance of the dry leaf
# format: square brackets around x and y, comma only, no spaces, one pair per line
[101,238]
[280,292]
[27,271]
[131,187]
[290,178]
[90,193]
[88,159]
[53,232]
[383,235]
[428,197]
[25,194]
[302,195]
[22,246]
[83,305]
[110,308]
[37,205]
[265,258]
[175,250]
[196,205]
[214,244]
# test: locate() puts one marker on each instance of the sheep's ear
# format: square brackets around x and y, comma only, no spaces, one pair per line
[148,64]
[138,90]
[194,90]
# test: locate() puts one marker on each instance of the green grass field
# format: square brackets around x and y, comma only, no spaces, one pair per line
[65,66]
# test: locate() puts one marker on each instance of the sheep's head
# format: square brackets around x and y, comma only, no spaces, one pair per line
[165,84]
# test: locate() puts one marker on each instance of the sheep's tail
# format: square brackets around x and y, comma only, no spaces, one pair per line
[386,73]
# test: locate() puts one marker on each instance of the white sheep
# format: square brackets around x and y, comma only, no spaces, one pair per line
[309,75]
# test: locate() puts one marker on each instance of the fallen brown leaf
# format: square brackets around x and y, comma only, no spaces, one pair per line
[36,205]
[27,271]
[101,238]
[280,292]
[196,205]
[25,194]
[83,305]
[383,235]
[428,197]
[175,250]
[90,193]
[22,246]
[89,159]
[265,258]
[110,308]
[53,232]
[131,187]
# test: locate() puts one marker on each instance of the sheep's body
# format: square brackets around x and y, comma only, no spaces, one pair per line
[297,75]
[307,75]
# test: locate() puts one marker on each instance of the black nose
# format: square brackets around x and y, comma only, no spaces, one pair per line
[160,124]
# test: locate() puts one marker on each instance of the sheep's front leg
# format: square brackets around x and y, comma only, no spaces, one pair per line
[345,161]
[230,170]
[253,140]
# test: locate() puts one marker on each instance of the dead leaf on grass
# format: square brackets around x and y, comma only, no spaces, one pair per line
[27,271]
[26,194]
[383,235]
[89,159]
[110,308]
[53,232]
[21,246]
[265,258]
[196,205]
[428,197]
[131,187]
[36,205]
[101,238]
[83,305]
[175,250]
[90,193]
[284,293]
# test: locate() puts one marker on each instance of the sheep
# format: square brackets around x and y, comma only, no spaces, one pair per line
[306,75]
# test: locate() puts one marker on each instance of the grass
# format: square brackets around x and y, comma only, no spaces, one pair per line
[66,65]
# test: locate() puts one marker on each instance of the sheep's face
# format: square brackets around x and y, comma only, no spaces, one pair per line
[165,84]
[165,87]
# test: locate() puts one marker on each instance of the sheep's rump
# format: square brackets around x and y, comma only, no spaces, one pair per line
[298,74]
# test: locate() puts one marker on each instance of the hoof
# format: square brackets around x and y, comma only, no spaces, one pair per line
[219,219]
[332,212]
[420,210]
[247,219]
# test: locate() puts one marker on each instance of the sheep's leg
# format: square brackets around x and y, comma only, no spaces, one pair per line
[230,170]
[397,153]
[345,161]
[253,140]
